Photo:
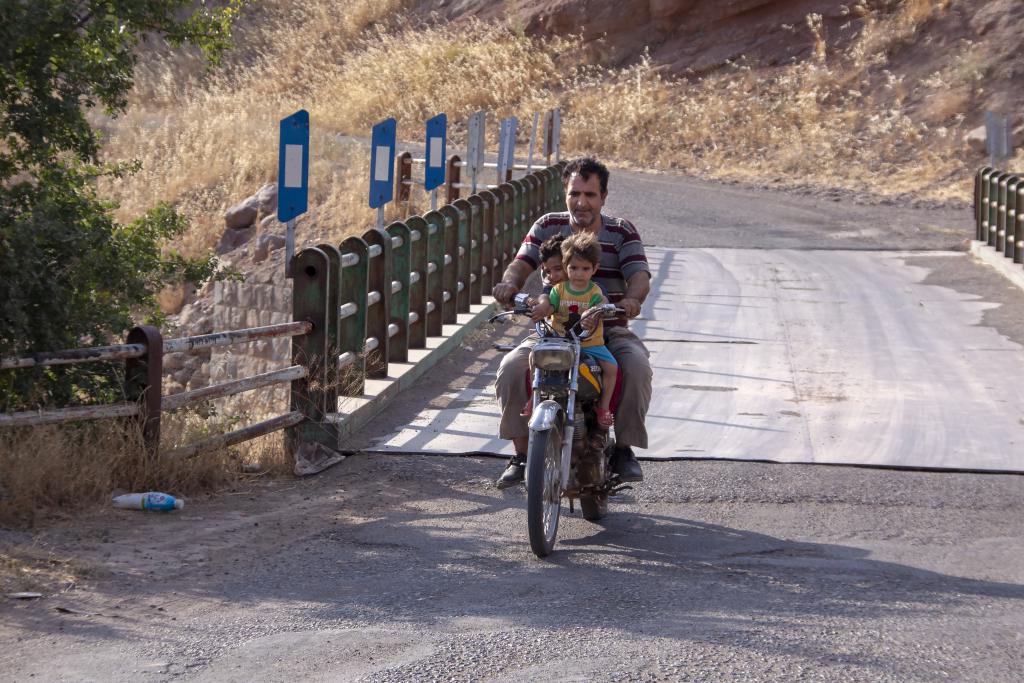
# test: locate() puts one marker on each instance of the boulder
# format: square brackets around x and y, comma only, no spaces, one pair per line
[266,197]
[175,361]
[182,376]
[242,214]
[234,238]
[266,244]
[975,139]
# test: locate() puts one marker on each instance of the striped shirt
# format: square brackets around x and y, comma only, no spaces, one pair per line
[622,253]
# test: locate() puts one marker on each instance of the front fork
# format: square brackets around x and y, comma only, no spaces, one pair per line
[546,412]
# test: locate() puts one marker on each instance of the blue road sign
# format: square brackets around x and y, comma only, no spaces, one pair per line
[293,167]
[382,163]
[437,139]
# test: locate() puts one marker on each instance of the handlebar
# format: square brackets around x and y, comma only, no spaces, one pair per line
[606,311]
[543,329]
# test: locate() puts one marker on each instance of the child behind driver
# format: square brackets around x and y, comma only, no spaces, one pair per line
[581,254]
[551,269]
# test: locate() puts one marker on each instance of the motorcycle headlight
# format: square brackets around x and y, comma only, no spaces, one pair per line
[552,359]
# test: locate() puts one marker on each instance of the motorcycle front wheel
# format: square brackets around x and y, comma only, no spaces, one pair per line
[543,489]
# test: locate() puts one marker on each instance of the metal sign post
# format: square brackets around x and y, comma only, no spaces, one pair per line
[507,148]
[292,178]
[510,146]
[434,161]
[382,166]
[546,136]
[533,142]
[476,143]
[997,137]
[556,133]
[502,139]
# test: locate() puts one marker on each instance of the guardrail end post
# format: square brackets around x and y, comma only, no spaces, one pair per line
[313,395]
[143,379]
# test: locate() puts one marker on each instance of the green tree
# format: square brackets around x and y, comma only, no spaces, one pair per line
[69,273]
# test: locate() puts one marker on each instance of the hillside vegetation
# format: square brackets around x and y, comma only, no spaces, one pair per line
[843,115]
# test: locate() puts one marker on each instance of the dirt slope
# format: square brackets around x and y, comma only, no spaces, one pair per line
[691,38]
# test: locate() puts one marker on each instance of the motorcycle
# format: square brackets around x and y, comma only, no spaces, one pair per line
[569,455]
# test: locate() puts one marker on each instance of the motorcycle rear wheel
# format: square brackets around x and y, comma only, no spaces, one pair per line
[543,489]
[594,506]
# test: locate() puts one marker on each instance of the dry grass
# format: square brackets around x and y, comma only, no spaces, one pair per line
[834,120]
[28,568]
[56,470]
[207,140]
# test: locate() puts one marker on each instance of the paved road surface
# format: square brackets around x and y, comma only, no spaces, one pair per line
[394,568]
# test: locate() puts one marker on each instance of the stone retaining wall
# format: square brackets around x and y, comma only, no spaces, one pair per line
[227,306]
[236,306]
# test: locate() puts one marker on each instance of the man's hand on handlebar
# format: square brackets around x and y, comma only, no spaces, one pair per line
[503,292]
[630,306]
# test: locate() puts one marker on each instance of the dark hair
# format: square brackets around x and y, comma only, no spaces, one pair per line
[584,167]
[552,246]
[582,245]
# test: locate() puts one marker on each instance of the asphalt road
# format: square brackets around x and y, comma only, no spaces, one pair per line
[669,212]
[395,568]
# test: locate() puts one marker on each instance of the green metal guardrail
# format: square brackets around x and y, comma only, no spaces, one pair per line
[372,298]
[999,211]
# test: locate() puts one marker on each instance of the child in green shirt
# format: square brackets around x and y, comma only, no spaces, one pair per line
[580,255]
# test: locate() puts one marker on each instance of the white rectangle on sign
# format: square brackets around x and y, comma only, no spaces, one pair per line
[293,165]
[435,153]
[380,164]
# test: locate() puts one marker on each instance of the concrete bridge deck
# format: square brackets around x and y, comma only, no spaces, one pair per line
[810,356]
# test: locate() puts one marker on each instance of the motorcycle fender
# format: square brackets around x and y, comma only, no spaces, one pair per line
[544,416]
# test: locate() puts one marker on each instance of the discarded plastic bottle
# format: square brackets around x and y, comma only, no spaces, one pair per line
[151,500]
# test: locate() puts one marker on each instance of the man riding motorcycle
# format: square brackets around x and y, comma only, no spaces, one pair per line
[625,277]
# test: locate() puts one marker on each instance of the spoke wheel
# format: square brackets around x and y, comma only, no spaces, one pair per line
[543,488]
[594,506]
